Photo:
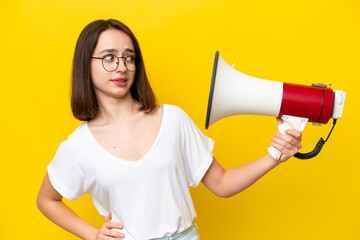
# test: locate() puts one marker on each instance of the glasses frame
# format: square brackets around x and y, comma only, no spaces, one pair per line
[118,62]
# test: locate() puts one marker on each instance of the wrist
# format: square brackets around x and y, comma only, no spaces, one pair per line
[93,234]
[274,162]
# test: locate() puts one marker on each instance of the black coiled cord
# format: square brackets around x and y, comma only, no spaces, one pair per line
[313,153]
[317,149]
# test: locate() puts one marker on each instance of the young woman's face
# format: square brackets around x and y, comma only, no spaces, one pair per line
[116,83]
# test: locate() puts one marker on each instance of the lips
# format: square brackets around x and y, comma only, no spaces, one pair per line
[121,81]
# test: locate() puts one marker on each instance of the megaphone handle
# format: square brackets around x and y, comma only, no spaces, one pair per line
[290,122]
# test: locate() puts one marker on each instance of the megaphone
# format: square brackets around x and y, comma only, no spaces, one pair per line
[235,93]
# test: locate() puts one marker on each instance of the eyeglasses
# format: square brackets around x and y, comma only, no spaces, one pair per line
[110,62]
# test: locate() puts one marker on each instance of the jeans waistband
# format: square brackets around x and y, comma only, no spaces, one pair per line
[189,232]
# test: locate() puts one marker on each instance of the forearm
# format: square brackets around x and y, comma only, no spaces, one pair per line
[238,179]
[226,183]
[63,216]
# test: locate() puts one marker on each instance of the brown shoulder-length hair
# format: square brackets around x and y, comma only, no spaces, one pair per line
[84,104]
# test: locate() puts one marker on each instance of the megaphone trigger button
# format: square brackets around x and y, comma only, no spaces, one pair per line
[341,99]
[319,85]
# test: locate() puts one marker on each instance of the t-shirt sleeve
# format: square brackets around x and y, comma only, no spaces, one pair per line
[197,150]
[66,174]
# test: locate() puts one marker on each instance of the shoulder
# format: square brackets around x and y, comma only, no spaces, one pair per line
[177,117]
[75,140]
[175,111]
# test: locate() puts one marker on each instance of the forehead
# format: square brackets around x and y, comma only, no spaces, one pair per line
[113,39]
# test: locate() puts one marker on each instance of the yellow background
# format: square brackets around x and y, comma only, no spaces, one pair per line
[299,42]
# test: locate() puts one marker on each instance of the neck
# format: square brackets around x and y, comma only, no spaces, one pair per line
[116,110]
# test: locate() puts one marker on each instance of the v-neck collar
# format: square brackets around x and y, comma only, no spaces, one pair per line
[120,160]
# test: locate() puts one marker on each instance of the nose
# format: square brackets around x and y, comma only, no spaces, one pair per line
[121,65]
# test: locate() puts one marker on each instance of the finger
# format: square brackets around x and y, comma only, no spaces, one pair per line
[283,144]
[113,233]
[287,141]
[282,139]
[285,151]
[103,237]
[109,217]
[279,121]
[113,225]
[294,133]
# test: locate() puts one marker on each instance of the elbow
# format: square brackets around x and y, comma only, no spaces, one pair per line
[40,202]
[223,193]
[45,204]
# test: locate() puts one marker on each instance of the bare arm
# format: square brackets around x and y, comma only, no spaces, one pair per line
[226,183]
[50,203]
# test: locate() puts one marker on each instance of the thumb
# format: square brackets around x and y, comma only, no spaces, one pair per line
[279,121]
[109,217]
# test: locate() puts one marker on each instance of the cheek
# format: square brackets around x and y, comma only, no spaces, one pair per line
[97,72]
[133,76]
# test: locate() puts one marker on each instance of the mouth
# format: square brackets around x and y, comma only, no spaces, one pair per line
[120,79]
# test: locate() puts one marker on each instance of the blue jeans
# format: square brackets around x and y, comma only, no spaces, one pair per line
[189,234]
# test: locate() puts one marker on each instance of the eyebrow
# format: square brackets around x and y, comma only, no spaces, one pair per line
[112,50]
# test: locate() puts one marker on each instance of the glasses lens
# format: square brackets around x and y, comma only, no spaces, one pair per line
[130,63]
[110,63]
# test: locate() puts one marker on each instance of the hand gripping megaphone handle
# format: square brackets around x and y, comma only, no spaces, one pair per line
[290,122]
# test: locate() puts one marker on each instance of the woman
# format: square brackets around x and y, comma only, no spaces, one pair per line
[136,159]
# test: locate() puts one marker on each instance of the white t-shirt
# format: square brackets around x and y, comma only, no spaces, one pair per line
[150,197]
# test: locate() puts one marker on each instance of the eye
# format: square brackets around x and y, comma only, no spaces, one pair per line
[130,59]
[110,58]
